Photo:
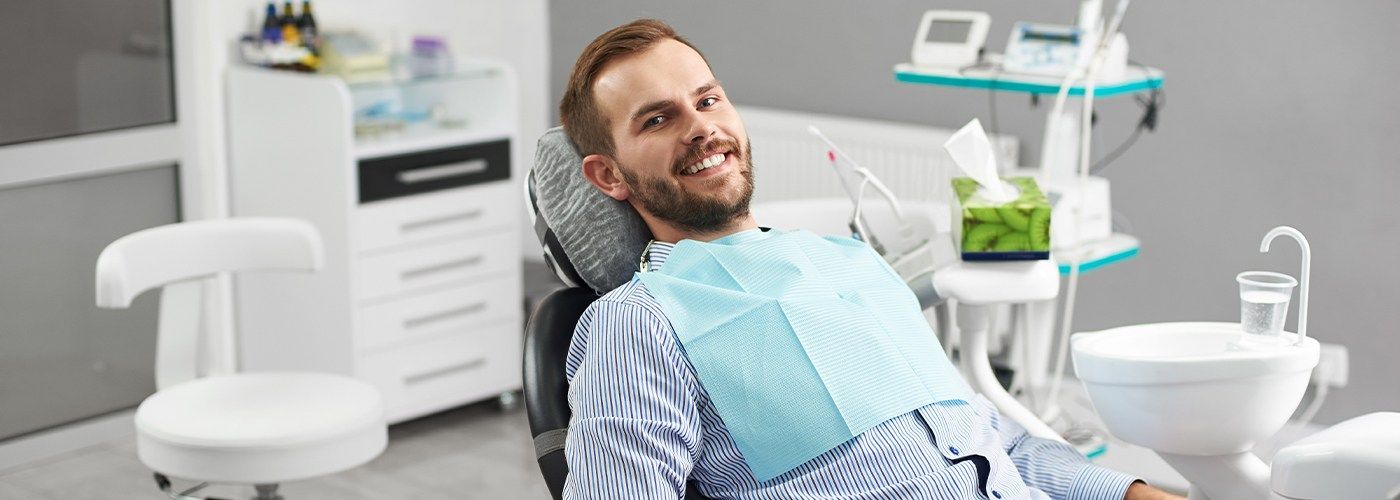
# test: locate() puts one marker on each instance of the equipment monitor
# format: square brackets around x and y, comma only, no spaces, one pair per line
[950,38]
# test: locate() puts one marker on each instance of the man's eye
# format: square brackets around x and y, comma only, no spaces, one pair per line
[708,101]
[654,121]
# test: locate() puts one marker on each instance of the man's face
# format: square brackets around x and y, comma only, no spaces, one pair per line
[680,146]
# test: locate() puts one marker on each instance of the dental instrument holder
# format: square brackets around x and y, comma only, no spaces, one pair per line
[861,229]
[1303,279]
[905,248]
[1082,207]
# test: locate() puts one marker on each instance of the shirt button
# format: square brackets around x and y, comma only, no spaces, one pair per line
[953,450]
[996,493]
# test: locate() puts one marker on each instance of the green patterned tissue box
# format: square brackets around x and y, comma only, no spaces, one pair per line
[1016,230]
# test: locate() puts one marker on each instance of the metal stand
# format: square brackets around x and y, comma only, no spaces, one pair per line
[973,323]
[978,286]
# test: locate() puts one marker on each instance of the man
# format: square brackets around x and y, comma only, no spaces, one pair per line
[658,132]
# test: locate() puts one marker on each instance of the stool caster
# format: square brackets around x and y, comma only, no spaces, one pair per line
[508,401]
[165,486]
[266,492]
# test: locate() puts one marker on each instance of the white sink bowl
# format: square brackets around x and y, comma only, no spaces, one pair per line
[1191,388]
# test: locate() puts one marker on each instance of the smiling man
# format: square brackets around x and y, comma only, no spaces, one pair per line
[656,409]
[688,178]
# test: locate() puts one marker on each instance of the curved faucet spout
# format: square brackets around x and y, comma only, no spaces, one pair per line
[1303,279]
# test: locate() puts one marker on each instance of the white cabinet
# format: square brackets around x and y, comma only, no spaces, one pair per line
[421,291]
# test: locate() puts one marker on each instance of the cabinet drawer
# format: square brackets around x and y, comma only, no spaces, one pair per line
[435,170]
[446,372]
[458,260]
[420,218]
[457,309]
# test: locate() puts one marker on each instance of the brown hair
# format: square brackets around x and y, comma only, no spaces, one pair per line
[578,111]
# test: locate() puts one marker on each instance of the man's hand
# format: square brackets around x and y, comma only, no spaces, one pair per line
[1141,491]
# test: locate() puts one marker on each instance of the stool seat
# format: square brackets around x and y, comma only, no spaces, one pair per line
[261,428]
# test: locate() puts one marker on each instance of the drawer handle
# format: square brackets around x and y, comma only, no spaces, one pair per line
[426,174]
[425,223]
[419,272]
[428,319]
[419,378]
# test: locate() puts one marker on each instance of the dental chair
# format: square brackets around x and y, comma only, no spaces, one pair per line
[207,423]
[592,244]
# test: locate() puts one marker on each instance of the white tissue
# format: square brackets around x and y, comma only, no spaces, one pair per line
[973,153]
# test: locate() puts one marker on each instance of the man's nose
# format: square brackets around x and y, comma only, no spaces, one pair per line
[701,129]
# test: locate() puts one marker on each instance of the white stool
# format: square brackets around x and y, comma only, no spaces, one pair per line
[240,428]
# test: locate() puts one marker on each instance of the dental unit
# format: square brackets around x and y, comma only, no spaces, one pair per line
[1199,394]
[1202,394]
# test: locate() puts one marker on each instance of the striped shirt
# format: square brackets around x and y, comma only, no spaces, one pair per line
[643,427]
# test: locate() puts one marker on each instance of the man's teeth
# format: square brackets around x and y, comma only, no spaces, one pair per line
[717,159]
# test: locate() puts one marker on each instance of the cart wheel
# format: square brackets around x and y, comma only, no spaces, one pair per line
[508,401]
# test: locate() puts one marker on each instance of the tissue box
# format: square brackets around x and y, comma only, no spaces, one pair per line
[1016,230]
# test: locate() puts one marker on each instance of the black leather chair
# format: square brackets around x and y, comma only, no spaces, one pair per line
[551,325]
[546,389]
[547,339]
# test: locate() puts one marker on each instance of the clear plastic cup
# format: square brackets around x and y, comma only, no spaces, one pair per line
[1264,298]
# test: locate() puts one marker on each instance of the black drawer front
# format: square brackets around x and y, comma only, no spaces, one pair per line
[426,171]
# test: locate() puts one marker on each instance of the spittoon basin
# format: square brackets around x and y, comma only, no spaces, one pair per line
[1191,388]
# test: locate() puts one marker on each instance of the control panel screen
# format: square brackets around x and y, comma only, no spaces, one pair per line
[946,31]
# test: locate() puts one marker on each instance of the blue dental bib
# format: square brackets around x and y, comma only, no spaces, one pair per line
[802,342]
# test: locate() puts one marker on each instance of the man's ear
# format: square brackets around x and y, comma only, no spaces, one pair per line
[601,171]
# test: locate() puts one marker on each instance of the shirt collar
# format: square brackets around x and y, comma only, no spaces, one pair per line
[657,252]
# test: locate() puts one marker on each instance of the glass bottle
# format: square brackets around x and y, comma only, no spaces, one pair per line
[272,26]
[306,26]
[289,24]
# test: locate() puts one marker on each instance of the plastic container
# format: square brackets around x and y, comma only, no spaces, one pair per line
[430,57]
[1264,298]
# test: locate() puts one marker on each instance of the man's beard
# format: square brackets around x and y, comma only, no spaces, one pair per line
[686,210]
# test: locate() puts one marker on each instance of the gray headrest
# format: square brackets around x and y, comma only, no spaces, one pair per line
[586,235]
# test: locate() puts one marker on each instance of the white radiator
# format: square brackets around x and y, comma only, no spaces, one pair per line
[790,163]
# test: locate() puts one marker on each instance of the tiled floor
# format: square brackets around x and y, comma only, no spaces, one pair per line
[477,451]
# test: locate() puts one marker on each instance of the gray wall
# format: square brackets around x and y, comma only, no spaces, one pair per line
[1279,112]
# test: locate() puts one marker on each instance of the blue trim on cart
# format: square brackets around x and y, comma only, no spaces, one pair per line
[1085,267]
[1028,87]
[1097,452]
